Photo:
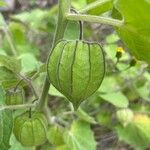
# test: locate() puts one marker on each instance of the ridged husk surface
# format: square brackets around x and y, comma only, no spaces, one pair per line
[76,68]
[30,131]
[14,97]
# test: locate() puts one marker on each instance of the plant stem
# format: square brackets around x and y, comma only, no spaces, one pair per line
[94,5]
[29,82]
[80,25]
[64,7]
[95,19]
[8,36]
[18,106]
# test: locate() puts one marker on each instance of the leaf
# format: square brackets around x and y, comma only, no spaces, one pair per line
[10,63]
[144,92]
[84,116]
[78,3]
[54,92]
[38,19]
[136,30]
[106,6]
[106,86]
[142,122]
[2,96]
[18,33]
[118,99]
[112,38]
[6,125]
[137,134]
[6,74]
[29,62]
[80,137]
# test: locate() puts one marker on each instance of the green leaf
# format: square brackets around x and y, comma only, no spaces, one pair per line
[84,116]
[112,38]
[53,91]
[118,99]
[144,92]
[104,7]
[6,75]
[106,86]
[130,136]
[2,95]
[80,137]
[136,30]
[78,3]
[137,134]
[18,33]
[6,125]
[10,63]
[29,62]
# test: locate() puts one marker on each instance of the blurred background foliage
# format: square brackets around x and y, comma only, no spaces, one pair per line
[97,124]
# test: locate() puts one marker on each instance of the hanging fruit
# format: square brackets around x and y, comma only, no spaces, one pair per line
[76,68]
[30,130]
[14,97]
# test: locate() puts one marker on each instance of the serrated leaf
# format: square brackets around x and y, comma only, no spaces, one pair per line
[118,99]
[80,137]
[136,30]
[10,63]
[6,125]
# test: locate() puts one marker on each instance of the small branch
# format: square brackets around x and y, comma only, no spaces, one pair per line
[18,106]
[43,97]
[28,81]
[94,5]
[95,19]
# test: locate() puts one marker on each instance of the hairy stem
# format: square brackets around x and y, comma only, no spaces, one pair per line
[94,5]
[29,82]
[18,106]
[64,7]
[95,19]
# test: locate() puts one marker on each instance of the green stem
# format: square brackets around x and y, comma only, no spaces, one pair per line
[95,19]
[94,5]
[8,36]
[18,106]
[64,7]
